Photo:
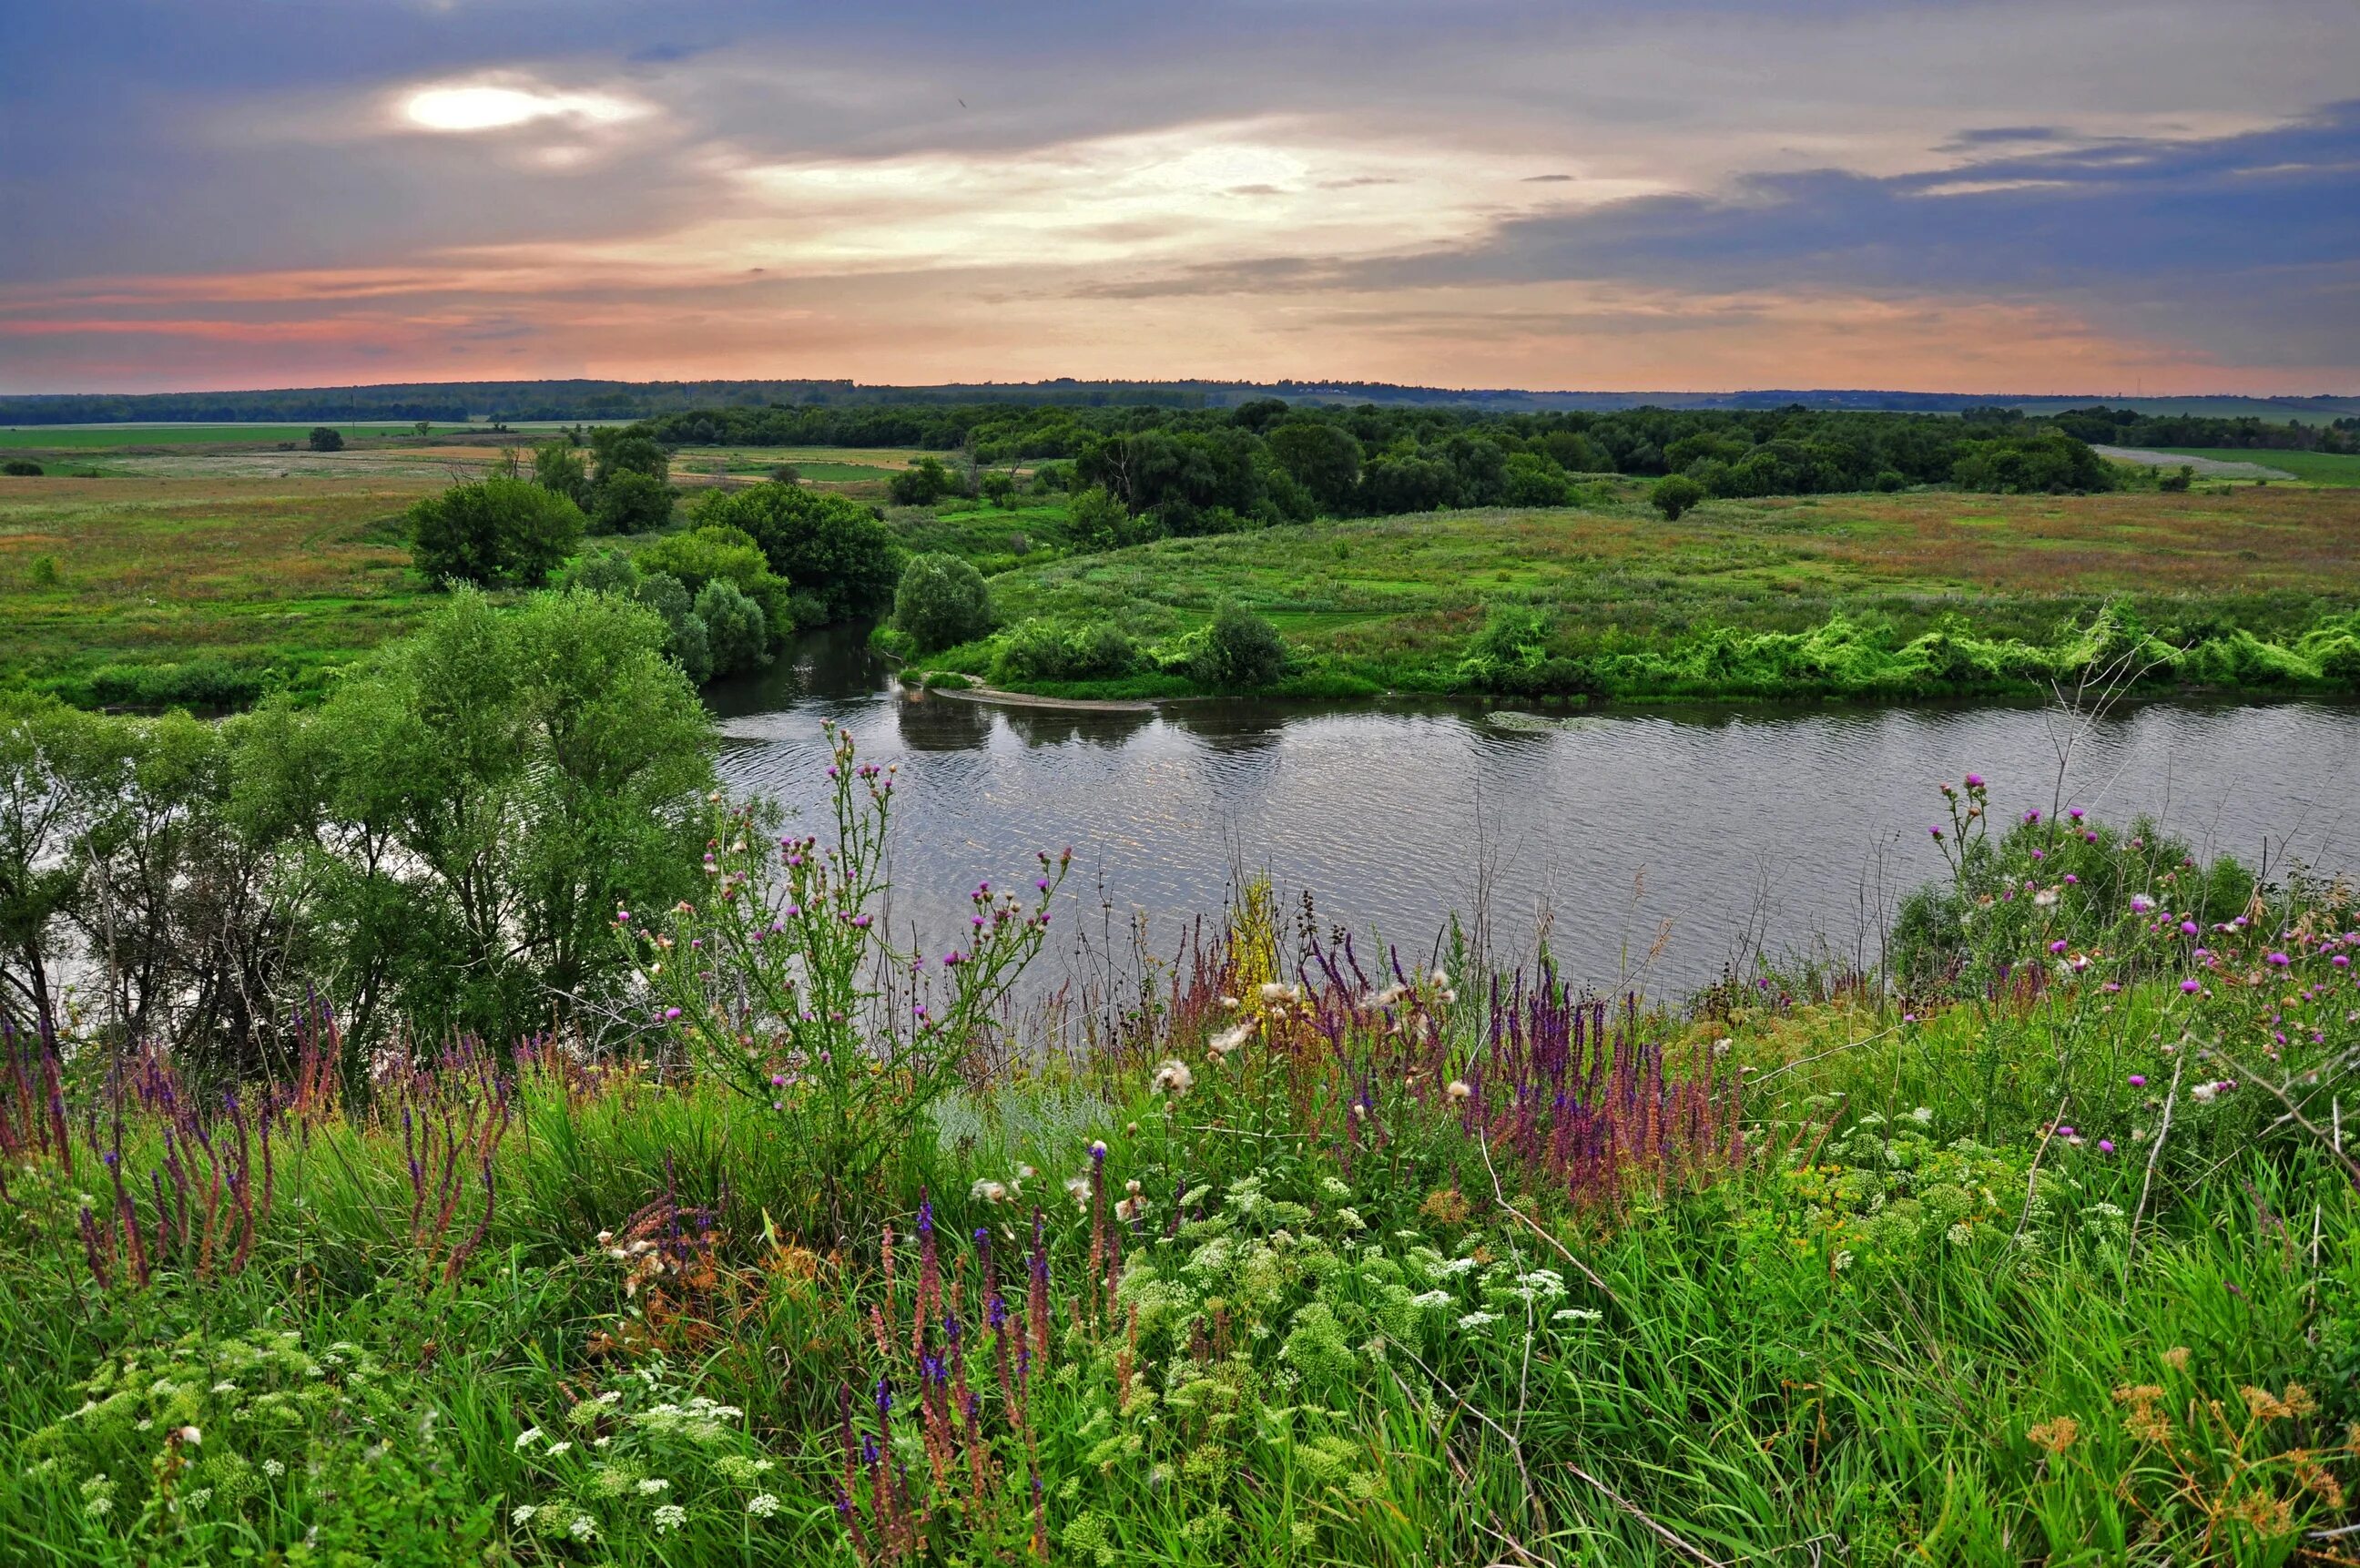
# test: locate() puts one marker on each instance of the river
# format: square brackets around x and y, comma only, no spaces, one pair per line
[1652,845]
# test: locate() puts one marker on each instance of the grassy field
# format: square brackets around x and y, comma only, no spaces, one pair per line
[2333,469]
[99,437]
[1393,600]
[278,578]
[1291,1268]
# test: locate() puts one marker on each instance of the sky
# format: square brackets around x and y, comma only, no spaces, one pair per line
[1970,195]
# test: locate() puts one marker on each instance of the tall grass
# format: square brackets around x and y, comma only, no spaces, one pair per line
[1334,1260]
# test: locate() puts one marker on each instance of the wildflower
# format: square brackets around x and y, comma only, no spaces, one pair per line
[653,1485]
[189,1435]
[1442,979]
[2177,1359]
[198,1498]
[2046,897]
[2141,904]
[557,1448]
[527,1437]
[762,1504]
[2139,1080]
[2190,985]
[2055,1435]
[1272,990]
[1974,781]
[1077,1188]
[1575,1315]
[582,1528]
[2279,960]
[1433,1298]
[1172,1077]
[273,1468]
[2203,1093]
[669,1518]
[1473,1321]
[522,1515]
[989,1191]
[1458,1088]
[1227,1040]
[2056,946]
[2105,1145]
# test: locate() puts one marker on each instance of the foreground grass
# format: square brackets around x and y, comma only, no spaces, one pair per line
[1393,602]
[1282,1270]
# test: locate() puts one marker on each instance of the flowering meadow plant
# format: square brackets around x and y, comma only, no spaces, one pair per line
[783,983]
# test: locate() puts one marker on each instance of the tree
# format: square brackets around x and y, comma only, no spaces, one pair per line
[1324,459]
[997,488]
[496,787]
[629,501]
[687,641]
[421,427]
[736,632]
[835,550]
[21,469]
[626,449]
[922,484]
[1241,651]
[557,467]
[1674,495]
[712,553]
[1532,480]
[941,601]
[326,439]
[495,532]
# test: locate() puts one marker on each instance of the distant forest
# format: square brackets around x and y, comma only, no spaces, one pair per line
[2264,421]
[1185,471]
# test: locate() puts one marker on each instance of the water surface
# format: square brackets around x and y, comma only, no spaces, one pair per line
[1655,841]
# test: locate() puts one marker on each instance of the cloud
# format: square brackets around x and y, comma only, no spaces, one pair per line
[1378,189]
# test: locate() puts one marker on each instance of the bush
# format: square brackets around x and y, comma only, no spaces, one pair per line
[496,532]
[21,469]
[686,641]
[1674,495]
[324,439]
[204,685]
[628,501]
[839,555]
[941,601]
[714,553]
[558,466]
[923,483]
[997,488]
[1241,651]
[736,630]
[2179,480]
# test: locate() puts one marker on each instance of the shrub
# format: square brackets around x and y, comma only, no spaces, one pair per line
[736,630]
[206,685]
[628,501]
[686,640]
[923,483]
[497,532]
[21,469]
[839,555]
[714,553]
[1241,651]
[558,466]
[1103,651]
[941,600]
[997,488]
[325,439]
[1674,495]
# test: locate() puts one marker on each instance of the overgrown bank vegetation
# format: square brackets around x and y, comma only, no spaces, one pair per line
[803,1244]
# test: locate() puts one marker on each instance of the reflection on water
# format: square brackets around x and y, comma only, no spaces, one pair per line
[1720,822]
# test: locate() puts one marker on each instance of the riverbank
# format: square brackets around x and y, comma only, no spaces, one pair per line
[1879,596]
[1300,1268]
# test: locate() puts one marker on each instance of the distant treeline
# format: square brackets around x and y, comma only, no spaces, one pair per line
[1199,471]
[453,401]
[2128,427]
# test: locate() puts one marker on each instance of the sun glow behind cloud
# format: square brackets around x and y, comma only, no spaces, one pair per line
[491,106]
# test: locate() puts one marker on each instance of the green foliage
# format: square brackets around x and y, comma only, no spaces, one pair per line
[833,550]
[326,438]
[21,469]
[734,627]
[1241,651]
[557,465]
[628,501]
[941,600]
[495,532]
[687,641]
[1674,495]
[1035,650]
[712,552]
[924,483]
[622,449]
